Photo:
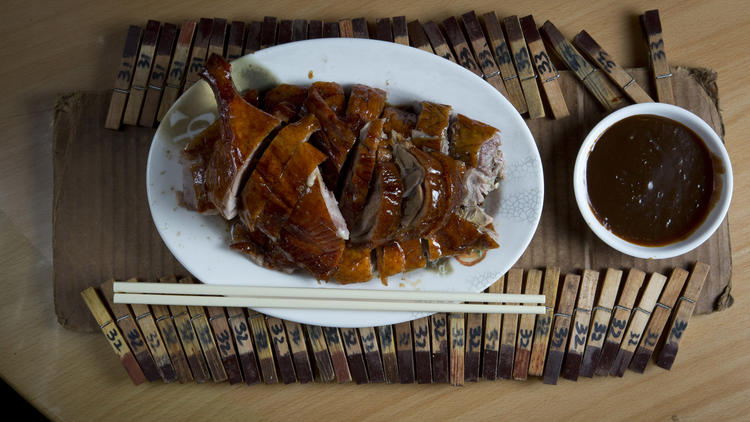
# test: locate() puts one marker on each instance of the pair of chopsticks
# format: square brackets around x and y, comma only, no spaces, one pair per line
[323,298]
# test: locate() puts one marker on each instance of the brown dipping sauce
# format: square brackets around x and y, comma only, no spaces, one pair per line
[650,180]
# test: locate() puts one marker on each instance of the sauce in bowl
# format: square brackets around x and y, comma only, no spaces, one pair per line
[650,180]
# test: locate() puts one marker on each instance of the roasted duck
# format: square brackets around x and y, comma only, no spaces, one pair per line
[333,181]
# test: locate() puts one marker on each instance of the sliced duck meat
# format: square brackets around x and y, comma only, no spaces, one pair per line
[435,199]
[271,165]
[195,158]
[355,266]
[478,185]
[343,186]
[454,187]
[365,105]
[356,183]
[381,217]
[414,254]
[252,96]
[314,233]
[285,101]
[459,236]
[398,120]
[335,138]
[431,130]
[475,215]
[390,261]
[243,126]
[260,249]
[432,247]
[296,179]
[412,174]
[333,95]
[478,145]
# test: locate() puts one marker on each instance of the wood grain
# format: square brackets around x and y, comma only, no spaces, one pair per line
[130,332]
[659,317]
[298,345]
[526,328]
[123,78]
[681,316]
[606,63]
[158,76]
[492,332]
[638,320]
[203,331]
[526,71]
[141,73]
[198,52]
[560,328]
[660,69]
[598,85]
[236,40]
[177,67]
[548,74]
[482,52]
[244,342]
[544,322]
[580,325]
[501,51]
[513,285]
[113,335]
[600,321]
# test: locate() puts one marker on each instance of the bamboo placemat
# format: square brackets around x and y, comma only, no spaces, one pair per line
[236,345]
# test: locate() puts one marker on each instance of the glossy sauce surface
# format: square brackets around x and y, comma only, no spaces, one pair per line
[650,180]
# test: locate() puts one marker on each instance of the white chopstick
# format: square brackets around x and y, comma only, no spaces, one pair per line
[297,303]
[320,293]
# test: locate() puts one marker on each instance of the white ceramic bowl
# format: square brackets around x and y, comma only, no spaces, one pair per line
[723,177]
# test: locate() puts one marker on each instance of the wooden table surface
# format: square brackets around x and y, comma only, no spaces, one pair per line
[49,48]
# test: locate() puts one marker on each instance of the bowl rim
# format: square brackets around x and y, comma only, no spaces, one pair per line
[713,142]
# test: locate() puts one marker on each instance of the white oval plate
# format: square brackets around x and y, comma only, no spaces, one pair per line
[408,75]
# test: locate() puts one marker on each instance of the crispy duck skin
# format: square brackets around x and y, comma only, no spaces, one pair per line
[355,266]
[333,95]
[399,121]
[335,138]
[432,247]
[285,102]
[459,236]
[271,165]
[475,143]
[380,220]
[312,236]
[260,249]
[195,157]
[252,96]
[357,180]
[431,130]
[390,261]
[454,172]
[410,187]
[414,255]
[436,199]
[365,105]
[243,130]
[286,192]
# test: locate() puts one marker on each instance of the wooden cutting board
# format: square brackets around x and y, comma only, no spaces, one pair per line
[102,226]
